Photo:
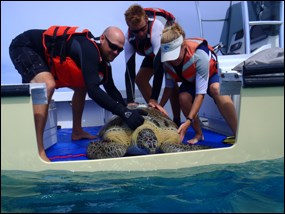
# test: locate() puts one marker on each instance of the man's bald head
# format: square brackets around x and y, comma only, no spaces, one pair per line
[112,42]
[115,34]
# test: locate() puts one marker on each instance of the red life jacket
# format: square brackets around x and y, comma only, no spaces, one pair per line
[146,49]
[188,72]
[63,68]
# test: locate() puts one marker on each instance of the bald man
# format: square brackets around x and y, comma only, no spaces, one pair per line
[62,56]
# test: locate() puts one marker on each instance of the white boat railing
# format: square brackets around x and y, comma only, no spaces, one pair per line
[247,24]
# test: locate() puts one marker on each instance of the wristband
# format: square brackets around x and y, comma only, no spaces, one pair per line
[191,120]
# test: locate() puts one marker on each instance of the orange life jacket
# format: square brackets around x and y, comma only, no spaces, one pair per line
[188,72]
[63,68]
[161,14]
[153,13]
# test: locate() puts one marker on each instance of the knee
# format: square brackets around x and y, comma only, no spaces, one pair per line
[184,98]
[50,87]
[215,90]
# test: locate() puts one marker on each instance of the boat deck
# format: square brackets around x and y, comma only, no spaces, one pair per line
[67,150]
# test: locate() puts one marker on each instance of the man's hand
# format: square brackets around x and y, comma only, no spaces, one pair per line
[133,118]
[134,104]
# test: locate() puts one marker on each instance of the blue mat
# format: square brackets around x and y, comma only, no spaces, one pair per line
[67,150]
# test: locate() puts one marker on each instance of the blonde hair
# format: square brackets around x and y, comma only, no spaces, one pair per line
[171,33]
[134,14]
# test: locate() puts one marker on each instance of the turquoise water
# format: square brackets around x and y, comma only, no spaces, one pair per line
[256,186]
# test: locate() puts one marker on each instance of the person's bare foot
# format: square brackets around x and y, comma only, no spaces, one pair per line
[196,139]
[44,157]
[82,135]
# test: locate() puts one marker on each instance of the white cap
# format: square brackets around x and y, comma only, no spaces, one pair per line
[171,50]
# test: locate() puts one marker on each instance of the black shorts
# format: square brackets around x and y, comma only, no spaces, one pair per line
[25,59]
[191,89]
[147,62]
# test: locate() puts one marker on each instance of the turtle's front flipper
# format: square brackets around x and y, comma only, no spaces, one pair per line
[100,149]
[175,147]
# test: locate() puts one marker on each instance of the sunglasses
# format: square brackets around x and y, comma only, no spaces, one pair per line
[139,30]
[113,46]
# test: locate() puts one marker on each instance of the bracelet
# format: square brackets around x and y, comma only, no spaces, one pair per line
[191,120]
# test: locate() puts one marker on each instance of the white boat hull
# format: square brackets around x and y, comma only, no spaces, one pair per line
[260,137]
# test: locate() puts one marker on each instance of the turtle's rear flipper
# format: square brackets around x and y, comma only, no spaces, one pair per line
[146,140]
[99,150]
[174,147]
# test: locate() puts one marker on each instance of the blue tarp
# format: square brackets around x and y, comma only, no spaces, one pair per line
[66,149]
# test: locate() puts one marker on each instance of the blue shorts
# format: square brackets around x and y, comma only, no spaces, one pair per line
[25,59]
[191,87]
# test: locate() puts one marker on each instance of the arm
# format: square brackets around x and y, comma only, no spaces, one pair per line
[157,78]
[202,76]
[112,90]
[157,82]
[169,85]
[165,96]
[86,56]
[130,73]
[157,65]
[193,115]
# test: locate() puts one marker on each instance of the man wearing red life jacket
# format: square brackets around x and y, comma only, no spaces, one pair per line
[145,26]
[194,63]
[62,56]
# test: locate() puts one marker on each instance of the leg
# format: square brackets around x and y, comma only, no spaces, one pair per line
[197,128]
[142,81]
[41,111]
[78,103]
[175,106]
[225,106]
[173,95]
[185,100]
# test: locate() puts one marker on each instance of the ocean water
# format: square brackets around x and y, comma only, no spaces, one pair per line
[256,186]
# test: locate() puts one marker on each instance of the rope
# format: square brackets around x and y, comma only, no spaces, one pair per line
[67,156]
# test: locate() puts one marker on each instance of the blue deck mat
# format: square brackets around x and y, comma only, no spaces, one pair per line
[65,149]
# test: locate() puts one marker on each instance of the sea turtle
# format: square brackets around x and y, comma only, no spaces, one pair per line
[158,134]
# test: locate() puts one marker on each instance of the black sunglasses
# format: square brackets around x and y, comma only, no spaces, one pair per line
[113,46]
[139,30]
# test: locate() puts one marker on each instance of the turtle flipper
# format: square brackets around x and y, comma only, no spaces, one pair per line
[175,147]
[146,140]
[101,149]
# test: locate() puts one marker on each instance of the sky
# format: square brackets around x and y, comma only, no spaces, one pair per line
[19,16]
